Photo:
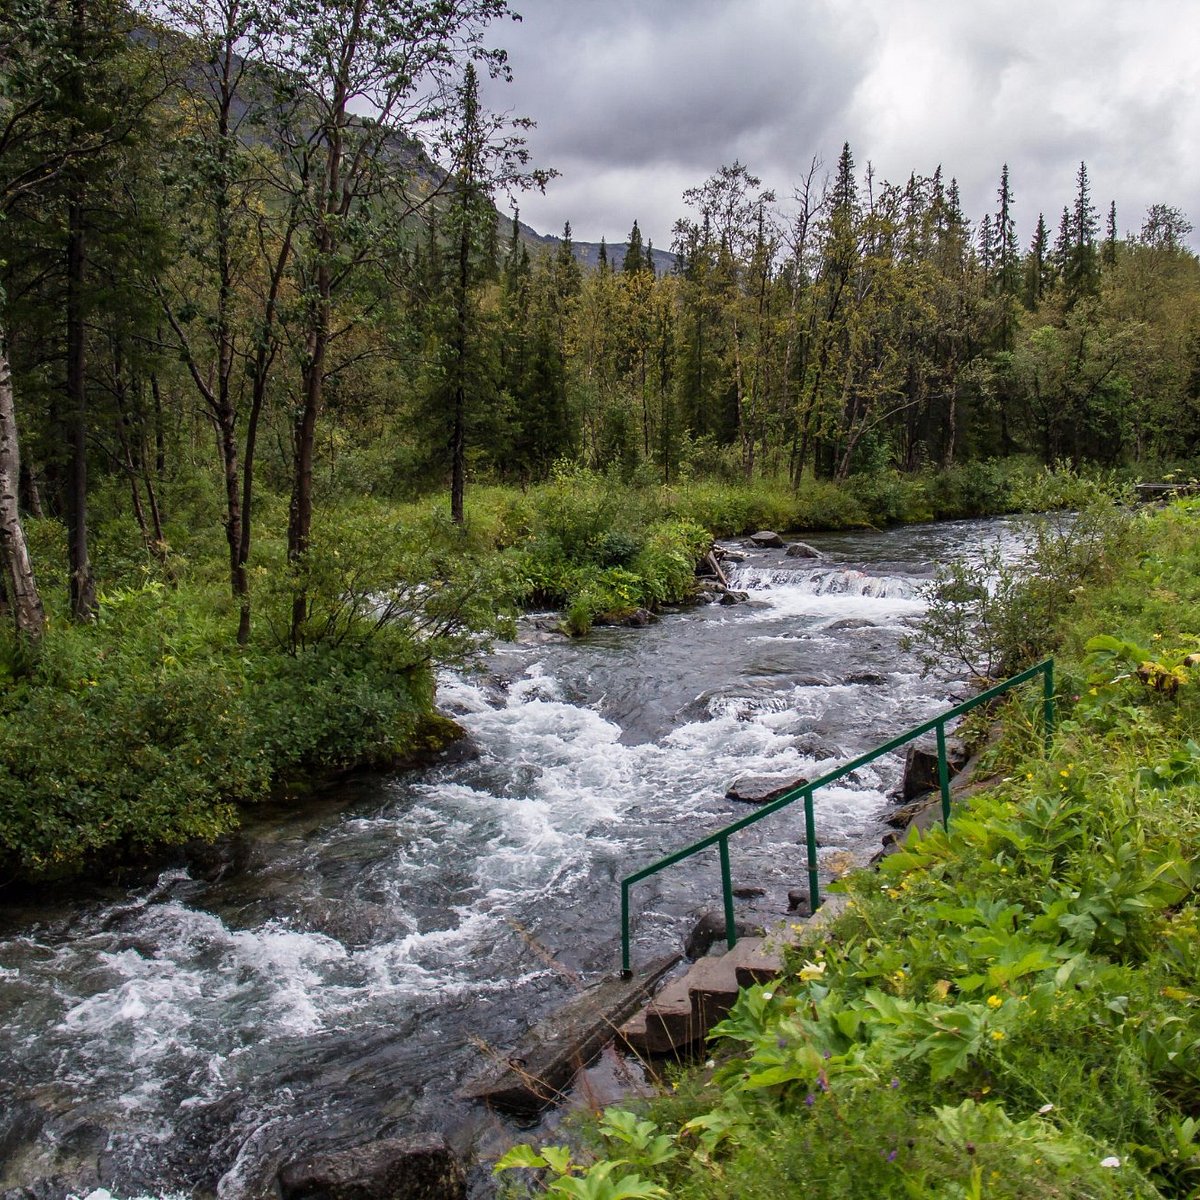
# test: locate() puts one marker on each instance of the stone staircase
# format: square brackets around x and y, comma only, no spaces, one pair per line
[683,1011]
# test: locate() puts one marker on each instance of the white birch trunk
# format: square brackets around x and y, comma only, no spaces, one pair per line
[14,553]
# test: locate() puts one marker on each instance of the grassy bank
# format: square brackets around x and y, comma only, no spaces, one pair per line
[150,727]
[1009,1010]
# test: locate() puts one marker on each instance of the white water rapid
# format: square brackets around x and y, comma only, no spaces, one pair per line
[187,1038]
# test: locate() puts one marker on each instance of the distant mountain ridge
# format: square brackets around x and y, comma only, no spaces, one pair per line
[588,253]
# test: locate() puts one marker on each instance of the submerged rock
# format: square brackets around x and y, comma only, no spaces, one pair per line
[420,1167]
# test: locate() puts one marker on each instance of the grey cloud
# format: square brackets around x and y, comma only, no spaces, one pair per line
[637,100]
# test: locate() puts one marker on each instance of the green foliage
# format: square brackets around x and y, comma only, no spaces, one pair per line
[1003,610]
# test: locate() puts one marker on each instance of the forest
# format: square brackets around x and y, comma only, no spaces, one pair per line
[290,413]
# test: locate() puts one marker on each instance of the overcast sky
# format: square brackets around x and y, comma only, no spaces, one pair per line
[636,100]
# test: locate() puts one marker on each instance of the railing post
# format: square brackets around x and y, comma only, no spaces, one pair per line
[727,893]
[1048,703]
[943,773]
[810,842]
[626,970]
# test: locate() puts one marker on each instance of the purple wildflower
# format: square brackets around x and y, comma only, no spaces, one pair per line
[810,1099]
[894,1084]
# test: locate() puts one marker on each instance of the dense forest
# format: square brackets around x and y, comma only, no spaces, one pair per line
[256,288]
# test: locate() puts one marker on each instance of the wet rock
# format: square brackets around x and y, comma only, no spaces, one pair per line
[749,892]
[733,556]
[761,789]
[709,929]
[811,745]
[464,750]
[732,597]
[921,766]
[20,1124]
[419,1167]
[223,858]
[639,618]
[800,902]
[708,592]
[766,539]
[849,623]
[803,550]
[869,678]
[899,818]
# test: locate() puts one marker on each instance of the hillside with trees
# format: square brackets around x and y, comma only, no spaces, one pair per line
[264,336]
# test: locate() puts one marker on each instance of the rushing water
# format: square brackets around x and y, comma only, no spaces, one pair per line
[190,1037]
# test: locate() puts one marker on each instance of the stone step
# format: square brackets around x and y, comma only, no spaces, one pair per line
[689,1006]
[713,989]
[669,1017]
[755,963]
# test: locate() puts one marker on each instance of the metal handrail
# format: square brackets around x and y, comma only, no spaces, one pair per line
[805,791]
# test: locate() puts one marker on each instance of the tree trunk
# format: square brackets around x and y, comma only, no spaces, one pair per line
[458,435]
[82,583]
[19,585]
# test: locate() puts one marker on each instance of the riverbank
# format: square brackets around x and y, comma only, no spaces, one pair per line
[1012,1009]
[151,728]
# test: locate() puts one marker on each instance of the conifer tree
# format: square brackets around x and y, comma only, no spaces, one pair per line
[1109,253]
[1037,266]
[633,252]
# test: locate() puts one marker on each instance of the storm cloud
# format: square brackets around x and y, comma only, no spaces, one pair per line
[636,101]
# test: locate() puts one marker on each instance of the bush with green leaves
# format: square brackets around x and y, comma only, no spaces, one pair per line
[1006,607]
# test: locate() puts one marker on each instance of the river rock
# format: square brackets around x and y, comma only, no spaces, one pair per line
[766,539]
[731,597]
[419,1167]
[733,556]
[639,618]
[709,928]
[921,766]
[849,623]
[899,818]
[749,892]
[761,789]
[803,550]
[800,902]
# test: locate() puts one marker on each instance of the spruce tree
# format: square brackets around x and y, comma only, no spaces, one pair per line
[633,252]
[1037,266]
[1108,254]
[1081,265]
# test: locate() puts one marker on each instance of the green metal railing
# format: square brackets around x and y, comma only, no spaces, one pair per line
[805,791]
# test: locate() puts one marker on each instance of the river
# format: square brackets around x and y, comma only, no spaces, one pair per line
[187,1038]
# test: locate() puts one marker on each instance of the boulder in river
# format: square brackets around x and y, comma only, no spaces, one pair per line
[731,597]
[766,539]
[761,789]
[419,1167]
[803,550]
[921,766]
[709,929]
